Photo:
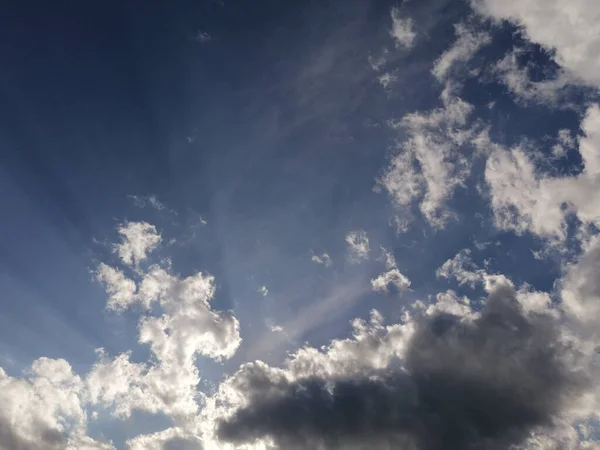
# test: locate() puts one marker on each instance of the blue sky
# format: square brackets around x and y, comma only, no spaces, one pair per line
[218,212]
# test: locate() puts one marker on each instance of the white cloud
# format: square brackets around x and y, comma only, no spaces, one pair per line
[393,277]
[45,409]
[263,291]
[523,200]
[580,289]
[120,289]
[187,328]
[569,27]
[432,162]
[550,92]
[170,439]
[358,246]
[402,29]
[467,43]
[137,240]
[462,269]
[449,303]
[323,259]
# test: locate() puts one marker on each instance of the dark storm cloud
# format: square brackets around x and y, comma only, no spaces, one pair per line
[479,385]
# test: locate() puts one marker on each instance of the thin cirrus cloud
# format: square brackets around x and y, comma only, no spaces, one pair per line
[434,343]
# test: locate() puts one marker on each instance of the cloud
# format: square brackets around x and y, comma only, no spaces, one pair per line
[550,92]
[432,162]
[120,289]
[387,79]
[170,439]
[488,382]
[391,277]
[402,29]
[142,201]
[462,268]
[358,246]
[323,259]
[580,288]
[524,200]
[468,42]
[137,240]
[203,37]
[568,28]
[185,328]
[263,291]
[45,409]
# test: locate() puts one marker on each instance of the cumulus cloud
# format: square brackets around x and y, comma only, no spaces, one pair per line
[571,29]
[358,246]
[402,29]
[186,328]
[137,240]
[120,289]
[489,382]
[45,409]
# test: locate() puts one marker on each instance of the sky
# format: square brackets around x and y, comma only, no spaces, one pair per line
[358,224]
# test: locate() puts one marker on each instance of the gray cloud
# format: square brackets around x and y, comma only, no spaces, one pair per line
[47,439]
[481,384]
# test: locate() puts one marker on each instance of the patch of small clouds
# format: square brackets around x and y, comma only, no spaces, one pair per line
[143,201]
[263,291]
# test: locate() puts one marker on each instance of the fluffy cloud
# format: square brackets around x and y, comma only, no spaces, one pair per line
[402,29]
[391,277]
[45,409]
[120,289]
[570,28]
[358,246]
[494,381]
[462,268]
[186,328]
[523,200]
[432,162]
[137,240]
[581,288]
[323,259]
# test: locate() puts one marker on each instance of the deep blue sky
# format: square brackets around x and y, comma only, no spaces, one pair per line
[274,132]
